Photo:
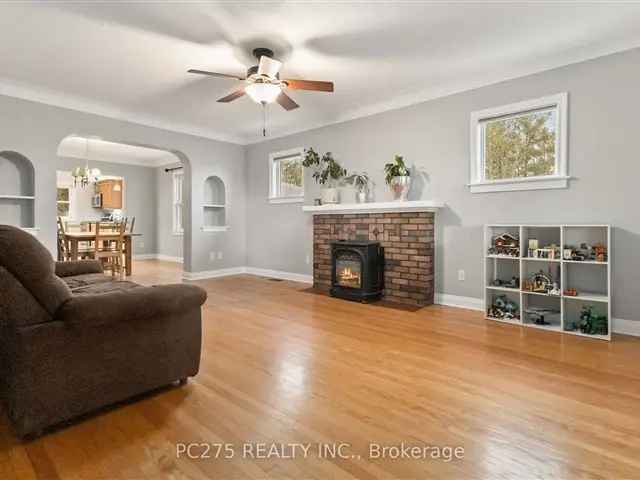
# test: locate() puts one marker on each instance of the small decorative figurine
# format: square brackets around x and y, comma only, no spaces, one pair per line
[590,322]
[538,314]
[505,244]
[503,307]
[570,292]
[555,290]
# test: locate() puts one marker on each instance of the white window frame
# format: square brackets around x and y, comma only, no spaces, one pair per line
[177,203]
[69,202]
[274,196]
[559,179]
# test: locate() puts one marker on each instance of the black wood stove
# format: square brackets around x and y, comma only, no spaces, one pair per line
[357,271]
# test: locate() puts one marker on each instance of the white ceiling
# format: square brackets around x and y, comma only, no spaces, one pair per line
[96,149]
[129,61]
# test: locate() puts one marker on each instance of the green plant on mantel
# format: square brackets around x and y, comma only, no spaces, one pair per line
[396,169]
[359,180]
[326,169]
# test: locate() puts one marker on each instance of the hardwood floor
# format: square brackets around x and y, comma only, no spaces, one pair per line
[282,365]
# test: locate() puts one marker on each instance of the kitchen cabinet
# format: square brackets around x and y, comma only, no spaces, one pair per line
[111,191]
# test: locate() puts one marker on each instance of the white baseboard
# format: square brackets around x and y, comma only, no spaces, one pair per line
[145,256]
[260,272]
[294,277]
[470,303]
[168,258]
[221,272]
[157,256]
[626,327]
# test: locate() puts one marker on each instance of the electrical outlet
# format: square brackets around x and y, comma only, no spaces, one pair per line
[212,256]
[220,255]
[461,275]
[308,259]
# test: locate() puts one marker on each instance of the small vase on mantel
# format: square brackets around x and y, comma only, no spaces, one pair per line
[329,195]
[361,196]
[400,187]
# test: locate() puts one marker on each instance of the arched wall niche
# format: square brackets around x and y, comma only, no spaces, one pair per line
[17,190]
[214,204]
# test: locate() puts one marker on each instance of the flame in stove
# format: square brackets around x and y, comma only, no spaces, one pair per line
[346,274]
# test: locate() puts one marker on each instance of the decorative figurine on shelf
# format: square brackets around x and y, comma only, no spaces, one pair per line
[537,315]
[567,253]
[527,286]
[541,282]
[570,292]
[590,323]
[503,307]
[513,283]
[505,244]
[599,252]
[533,246]
[555,290]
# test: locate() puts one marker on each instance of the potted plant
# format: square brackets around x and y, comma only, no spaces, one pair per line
[327,172]
[398,178]
[360,182]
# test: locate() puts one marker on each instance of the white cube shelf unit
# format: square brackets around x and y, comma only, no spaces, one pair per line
[590,278]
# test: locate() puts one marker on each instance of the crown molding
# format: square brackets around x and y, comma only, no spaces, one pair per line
[73,102]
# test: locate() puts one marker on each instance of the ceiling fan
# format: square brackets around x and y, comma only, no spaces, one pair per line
[263,84]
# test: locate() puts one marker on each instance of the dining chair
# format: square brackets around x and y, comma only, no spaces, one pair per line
[63,245]
[109,247]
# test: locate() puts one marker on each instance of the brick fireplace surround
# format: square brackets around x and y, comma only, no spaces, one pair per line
[407,238]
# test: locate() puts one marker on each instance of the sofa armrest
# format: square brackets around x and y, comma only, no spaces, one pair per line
[139,303]
[78,267]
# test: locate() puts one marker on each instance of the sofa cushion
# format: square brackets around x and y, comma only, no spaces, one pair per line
[78,267]
[80,281]
[18,307]
[105,287]
[32,265]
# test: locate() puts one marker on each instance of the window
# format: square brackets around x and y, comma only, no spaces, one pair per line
[63,202]
[178,208]
[286,177]
[521,146]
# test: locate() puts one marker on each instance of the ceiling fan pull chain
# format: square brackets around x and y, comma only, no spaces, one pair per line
[264,119]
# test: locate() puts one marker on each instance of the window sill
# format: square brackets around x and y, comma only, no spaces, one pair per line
[516,184]
[276,200]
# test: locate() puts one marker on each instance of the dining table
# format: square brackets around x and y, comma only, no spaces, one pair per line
[74,239]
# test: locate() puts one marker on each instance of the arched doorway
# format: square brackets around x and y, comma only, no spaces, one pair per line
[148,173]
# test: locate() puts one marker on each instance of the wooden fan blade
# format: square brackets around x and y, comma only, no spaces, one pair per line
[232,96]
[286,101]
[269,67]
[309,85]
[215,74]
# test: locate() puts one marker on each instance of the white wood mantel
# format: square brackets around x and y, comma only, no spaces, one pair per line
[374,207]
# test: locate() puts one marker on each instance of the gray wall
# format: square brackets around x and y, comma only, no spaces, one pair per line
[35,130]
[168,243]
[603,158]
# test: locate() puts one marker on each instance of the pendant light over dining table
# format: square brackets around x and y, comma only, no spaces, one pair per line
[83,176]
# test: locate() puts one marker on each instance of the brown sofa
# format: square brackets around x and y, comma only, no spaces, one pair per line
[72,340]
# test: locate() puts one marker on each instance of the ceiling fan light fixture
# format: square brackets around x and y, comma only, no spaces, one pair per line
[263,92]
